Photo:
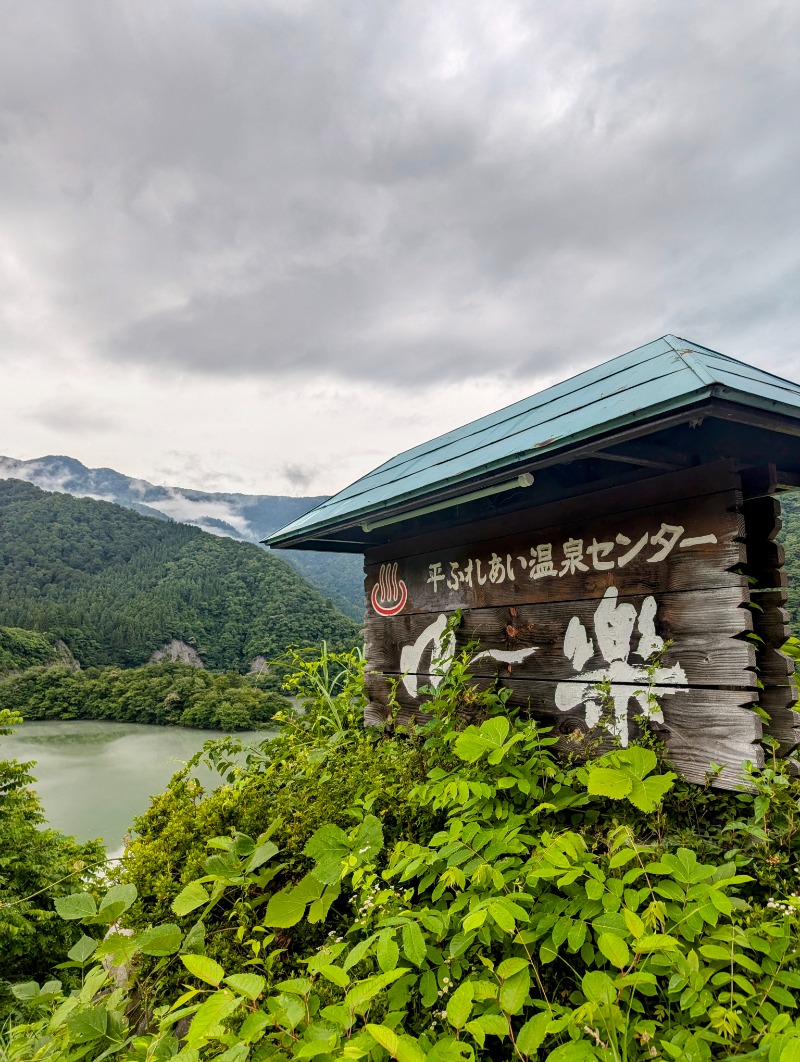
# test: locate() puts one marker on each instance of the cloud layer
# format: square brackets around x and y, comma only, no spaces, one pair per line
[402,194]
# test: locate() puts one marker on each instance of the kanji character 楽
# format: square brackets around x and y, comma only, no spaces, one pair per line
[624,668]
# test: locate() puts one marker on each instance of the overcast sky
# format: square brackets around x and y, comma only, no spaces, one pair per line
[262,245]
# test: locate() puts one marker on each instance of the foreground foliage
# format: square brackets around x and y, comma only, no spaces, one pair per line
[452,893]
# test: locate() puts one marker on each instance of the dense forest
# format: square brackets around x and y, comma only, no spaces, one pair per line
[168,694]
[20,649]
[115,586]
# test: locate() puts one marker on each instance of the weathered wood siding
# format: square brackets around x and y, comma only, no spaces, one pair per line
[561,596]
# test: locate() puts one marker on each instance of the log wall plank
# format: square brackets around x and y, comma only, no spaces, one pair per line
[702,727]
[765,558]
[655,550]
[706,629]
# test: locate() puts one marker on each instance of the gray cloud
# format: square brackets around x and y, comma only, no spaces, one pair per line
[72,419]
[299,476]
[406,193]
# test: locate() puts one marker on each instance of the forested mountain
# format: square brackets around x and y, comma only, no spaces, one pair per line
[114,585]
[245,517]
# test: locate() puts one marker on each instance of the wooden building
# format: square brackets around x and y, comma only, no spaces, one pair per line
[620,525]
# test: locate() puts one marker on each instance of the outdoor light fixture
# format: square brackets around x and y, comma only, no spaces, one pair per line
[523,480]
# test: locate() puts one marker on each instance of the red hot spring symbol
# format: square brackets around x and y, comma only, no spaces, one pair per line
[389,594]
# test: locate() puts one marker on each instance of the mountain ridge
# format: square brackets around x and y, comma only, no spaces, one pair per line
[243,517]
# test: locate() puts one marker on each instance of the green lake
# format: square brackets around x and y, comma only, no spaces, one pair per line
[95,777]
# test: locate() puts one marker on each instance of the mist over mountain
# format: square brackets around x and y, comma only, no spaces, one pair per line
[245,517]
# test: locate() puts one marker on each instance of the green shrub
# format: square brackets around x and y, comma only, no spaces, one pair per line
[453,892]
[171,693]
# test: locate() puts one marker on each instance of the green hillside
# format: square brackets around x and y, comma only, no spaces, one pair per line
[114,585]
[20,649]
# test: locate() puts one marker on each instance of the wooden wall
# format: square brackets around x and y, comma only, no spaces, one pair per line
[560,596]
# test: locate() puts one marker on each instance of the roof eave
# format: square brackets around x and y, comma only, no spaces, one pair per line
[286,538]
[688,405]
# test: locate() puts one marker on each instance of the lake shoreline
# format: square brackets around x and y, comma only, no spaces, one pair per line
[94,777]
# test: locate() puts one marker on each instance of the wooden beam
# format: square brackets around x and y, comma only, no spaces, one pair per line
[629,459]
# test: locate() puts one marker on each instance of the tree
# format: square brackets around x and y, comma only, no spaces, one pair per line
[36,866]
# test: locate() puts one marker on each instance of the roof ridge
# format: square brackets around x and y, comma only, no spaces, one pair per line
[685,354]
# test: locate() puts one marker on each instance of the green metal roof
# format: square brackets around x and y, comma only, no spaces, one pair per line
[663,376]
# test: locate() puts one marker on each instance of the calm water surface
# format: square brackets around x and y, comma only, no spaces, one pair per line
[95,777]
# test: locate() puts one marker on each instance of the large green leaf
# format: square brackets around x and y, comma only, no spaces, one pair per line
[207,1022]
[459,1005]
[328,847]
[683,866]
[647,795]
[598,987]
[475,741]
[287,908]
[335,974]
[191,897]
[115,902]
[365,991]
[76,906]
[531,1036]
[262,854]
[368,839]
[204,968]
[387,951]
[359,952]
[83,949]
[318,910]
[609,782]
[247,984]
[161,940]
[414,947]
[119,947]
[87,1024]
[651,942]
[514,992]
[614,948]
[402,1048]
[509,967]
